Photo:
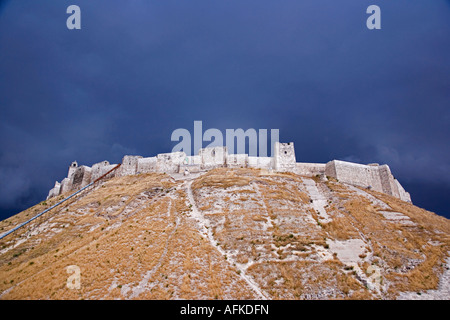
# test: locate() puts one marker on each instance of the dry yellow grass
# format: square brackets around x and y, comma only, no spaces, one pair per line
[411,261]
[308,280]
[133,237]
[116,249]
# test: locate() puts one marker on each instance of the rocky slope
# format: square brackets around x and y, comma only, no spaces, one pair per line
[227,234]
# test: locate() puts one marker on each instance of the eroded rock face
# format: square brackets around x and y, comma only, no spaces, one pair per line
[228,234]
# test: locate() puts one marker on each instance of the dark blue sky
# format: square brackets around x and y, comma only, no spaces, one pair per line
[139,69]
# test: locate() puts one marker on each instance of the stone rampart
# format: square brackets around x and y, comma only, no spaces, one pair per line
[375,177]
[146,165]
[129,166]
[284,157]
[310,169]
[372,176]
[237,160]
[81,177]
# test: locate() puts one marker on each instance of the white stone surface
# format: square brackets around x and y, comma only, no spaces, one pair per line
[129,166]
[403,195]
[238,160]
[397,217]
[98,169]
[260,162]
[319,200]
[213,157]
[310,169]
[441,293]
[146,165]
[284,156]
[348,251]
[374,177]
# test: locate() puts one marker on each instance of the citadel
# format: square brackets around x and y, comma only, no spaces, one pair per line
[372,176]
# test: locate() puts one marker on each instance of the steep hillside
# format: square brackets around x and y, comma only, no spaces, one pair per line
[227,234]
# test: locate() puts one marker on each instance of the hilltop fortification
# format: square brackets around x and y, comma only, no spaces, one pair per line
[372,176]
[213,227]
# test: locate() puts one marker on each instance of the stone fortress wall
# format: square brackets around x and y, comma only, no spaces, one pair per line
[371,176]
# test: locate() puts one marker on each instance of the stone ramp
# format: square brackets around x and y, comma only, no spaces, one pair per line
[319,200]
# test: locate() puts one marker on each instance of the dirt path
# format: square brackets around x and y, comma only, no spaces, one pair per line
[206,233]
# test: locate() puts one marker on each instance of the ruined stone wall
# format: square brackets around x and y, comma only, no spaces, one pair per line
[189,168]
[100,169]
[374,176]
[330,169]
[193,160]
[378,178]
[403,195]
[146,165]
[261,163]
[387,181]
[310,169]
[97,169]
[129,166]
[237,160]
[55,191]
[169,162]
[355,174]
[66,185]
[265,163]
[213,157]
[81,177]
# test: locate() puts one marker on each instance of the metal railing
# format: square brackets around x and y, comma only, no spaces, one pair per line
[57,204]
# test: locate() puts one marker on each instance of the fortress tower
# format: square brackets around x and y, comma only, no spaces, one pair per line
[72,168]
[284,157]
[213,157]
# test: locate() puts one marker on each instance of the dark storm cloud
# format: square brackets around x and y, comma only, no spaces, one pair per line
[137,70]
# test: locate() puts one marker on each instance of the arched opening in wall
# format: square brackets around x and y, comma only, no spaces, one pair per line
[213,153]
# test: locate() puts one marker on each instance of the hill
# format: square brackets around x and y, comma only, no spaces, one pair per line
[227,234]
